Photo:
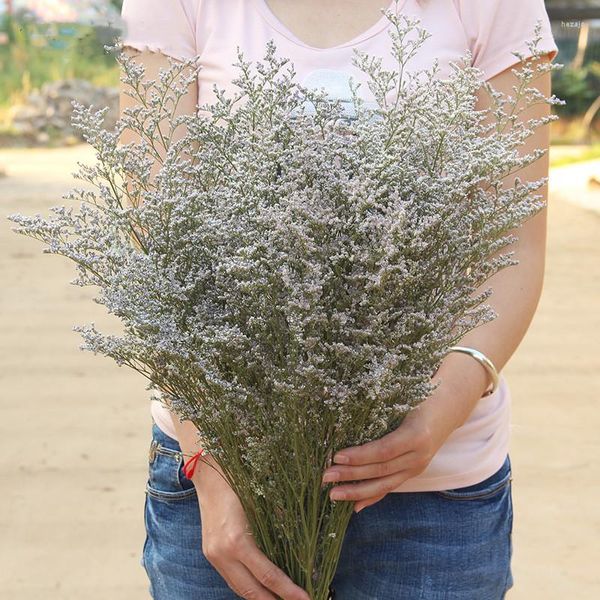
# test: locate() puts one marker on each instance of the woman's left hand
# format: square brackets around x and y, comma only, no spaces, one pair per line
[386,463]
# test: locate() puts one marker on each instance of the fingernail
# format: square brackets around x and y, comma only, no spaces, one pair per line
[336,495]
[342,459]
[329,477]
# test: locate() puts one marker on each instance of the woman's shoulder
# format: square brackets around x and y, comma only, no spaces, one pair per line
[167,26]
[494,29]
[504,16]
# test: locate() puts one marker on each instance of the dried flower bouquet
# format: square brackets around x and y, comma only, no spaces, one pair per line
[291,279]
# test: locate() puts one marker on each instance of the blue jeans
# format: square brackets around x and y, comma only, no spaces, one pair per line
[446,545]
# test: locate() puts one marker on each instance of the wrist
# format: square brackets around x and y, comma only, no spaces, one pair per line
[463,380]
[437,416]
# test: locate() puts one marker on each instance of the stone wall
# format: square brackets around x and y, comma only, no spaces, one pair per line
[46,114]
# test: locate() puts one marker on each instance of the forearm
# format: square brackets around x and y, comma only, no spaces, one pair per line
[515,297]
[516,290]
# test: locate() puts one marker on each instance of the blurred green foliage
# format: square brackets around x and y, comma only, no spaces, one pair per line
[578,87]
[40,52]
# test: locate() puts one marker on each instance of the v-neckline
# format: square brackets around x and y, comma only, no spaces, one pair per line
[382,23]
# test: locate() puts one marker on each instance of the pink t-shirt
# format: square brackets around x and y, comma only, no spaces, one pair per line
[492,29]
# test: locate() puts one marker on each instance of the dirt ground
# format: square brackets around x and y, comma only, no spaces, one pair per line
[75,428]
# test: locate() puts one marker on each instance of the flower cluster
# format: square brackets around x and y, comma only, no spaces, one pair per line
[291,279]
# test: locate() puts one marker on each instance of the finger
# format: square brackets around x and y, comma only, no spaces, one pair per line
[381,450]
[358,506]
[338,473]
[269,575]
[242,582]
[370,488]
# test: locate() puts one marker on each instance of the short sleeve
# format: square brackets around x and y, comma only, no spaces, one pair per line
[166,26]
[496,28]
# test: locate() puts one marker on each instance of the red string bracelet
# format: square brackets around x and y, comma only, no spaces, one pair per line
[190,464]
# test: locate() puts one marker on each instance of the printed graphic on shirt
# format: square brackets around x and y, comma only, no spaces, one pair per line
[337,86]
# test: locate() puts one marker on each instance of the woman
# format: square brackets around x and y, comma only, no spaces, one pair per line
[439,521]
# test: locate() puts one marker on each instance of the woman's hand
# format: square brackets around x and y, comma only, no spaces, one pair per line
[386,463]
[229,546]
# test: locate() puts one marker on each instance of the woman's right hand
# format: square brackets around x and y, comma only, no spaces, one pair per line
[229,546]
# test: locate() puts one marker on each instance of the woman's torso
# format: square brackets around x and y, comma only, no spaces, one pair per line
[478,448]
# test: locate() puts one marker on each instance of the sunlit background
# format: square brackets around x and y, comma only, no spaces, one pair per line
[74,429]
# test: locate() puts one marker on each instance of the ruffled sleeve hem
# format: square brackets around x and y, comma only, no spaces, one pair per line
[145,47]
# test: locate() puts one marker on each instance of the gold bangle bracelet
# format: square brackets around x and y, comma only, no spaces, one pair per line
[483,360]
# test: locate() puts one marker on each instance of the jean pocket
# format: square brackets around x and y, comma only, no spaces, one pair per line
[487,488]
[166,480]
